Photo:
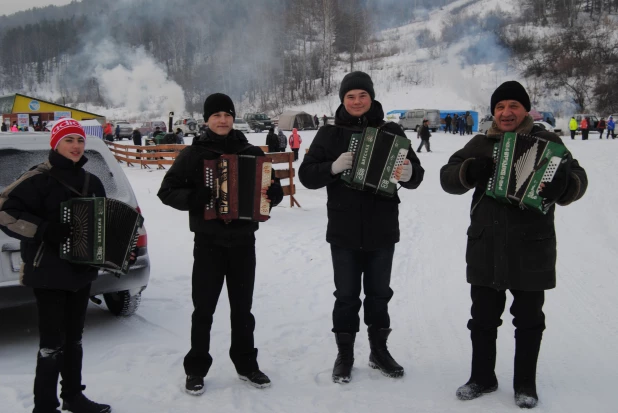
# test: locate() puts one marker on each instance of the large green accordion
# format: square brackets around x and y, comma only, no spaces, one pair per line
[522,163]
[104,232]
[377,153]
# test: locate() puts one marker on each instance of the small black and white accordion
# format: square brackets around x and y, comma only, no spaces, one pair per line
[104,232]
[522,163]
[237,182]
[377,154]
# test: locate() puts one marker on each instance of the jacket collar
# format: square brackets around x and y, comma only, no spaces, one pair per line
[58,161]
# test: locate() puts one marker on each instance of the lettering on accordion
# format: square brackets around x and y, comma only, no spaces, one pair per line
[267,169]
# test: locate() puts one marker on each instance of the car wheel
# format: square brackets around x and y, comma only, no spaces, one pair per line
[122,303]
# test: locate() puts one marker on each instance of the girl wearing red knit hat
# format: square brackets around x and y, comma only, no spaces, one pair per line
[30,212]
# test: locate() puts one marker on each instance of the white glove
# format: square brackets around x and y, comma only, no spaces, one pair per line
[342,163]
[406,173]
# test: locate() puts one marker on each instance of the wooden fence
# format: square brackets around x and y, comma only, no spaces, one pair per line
[162,155]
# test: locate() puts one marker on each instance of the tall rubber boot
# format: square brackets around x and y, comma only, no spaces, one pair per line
[527,347]
[483,377]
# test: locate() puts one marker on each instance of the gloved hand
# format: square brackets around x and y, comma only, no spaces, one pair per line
[342,163]
[200,198]
[275,193]
[57,232]
[554,189]
[479,170]
[406,171]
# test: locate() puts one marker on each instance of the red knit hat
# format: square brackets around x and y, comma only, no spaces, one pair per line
[63,128]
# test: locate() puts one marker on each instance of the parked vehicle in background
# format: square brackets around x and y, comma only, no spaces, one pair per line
[413,119]
[147,128]
[544,125]
[241,125]
[592,120]
[188,126]
[258,122]
[122,294]
[126,129]
[485,124]
[548,117]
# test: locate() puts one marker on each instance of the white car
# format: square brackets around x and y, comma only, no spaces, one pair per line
[544,125]
[241,125]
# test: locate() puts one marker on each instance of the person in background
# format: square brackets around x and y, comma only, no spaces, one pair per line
[295,141]
[14,127]
[30,212]
[224,251]
[4,128]
[136,135]
[316,121]
[462,125]
[180,137]
[283,141]
[447,123]
[272,140]
[455,124]
[108,132]
[469,123]
[424,134]
[601,127]
[509,248]
[363,227]
[611,125]
[573,127]
[584,128]
[117,132]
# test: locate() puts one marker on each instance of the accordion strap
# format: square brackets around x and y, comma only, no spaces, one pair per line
[82,193]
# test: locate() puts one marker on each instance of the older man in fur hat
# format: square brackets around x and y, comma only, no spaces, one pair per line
[224,250]
[509,248]
[363,227]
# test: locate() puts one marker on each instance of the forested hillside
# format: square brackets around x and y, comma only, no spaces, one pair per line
[273,53]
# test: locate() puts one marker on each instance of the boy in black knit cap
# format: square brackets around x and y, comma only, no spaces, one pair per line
[224,251]
[363,227]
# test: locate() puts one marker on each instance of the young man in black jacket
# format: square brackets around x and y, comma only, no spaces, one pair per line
[509,248]
[223,250]
[424,134]
[362,227]
[30,212]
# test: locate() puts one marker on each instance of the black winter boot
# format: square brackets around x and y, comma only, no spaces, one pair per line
[255,378]
[194,385]
[483,378]
[342,370]
[81,404]
[527,346]
[380,358]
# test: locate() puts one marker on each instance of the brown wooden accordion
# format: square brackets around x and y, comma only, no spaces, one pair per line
[237,182]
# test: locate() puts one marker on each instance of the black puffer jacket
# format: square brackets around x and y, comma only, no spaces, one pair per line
[356,219]
[187,174]
[508,248]
[29,204]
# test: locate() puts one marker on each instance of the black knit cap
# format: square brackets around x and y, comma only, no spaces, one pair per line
[510,90]
[218,102]
[356,80]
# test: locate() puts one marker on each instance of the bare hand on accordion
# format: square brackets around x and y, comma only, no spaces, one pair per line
[57,232]
[342,163]
[403,173]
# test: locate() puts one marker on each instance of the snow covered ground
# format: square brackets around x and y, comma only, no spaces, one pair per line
[135,364]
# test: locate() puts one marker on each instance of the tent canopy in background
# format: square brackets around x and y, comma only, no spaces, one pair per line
[296,119]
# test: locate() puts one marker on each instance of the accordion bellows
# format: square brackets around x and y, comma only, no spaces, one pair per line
[377,154]
[522,163]
[237,182]
[104,232]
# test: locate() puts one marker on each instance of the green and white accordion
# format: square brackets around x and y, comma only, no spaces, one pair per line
[104,232]
[522,163]
[377,154]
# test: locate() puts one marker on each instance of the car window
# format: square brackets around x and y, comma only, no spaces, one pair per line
[16,161]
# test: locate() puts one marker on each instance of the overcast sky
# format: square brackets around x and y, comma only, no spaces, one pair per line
[12,6]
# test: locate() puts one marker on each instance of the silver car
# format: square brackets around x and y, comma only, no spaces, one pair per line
[18,153]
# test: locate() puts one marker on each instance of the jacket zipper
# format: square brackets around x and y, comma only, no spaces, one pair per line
[39,255]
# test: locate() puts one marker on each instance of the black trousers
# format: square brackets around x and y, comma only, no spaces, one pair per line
[488,305]
[295,150]
[573,134]
[447,127]
[584,134]
[349,266]
[61,324]
[212,265]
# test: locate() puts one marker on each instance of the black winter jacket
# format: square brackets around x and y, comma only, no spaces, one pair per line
[186,175]
[272,141]
[356,219]
[424,133]
[26,208]
[508,247]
